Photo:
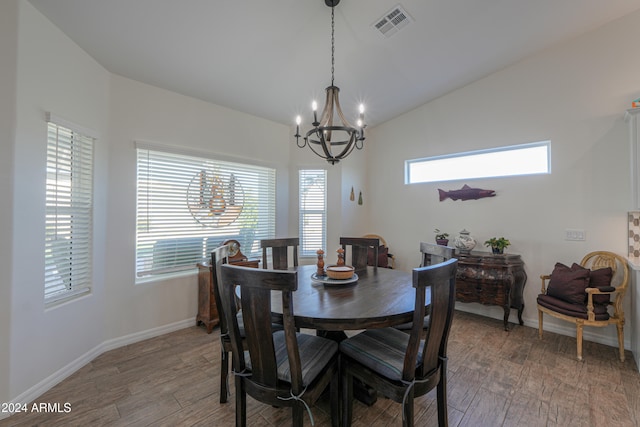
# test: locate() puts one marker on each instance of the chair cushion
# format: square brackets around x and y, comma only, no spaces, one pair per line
[600,278]
[381,350]
[568,285]
[574,310]
[315,354]
[383,256]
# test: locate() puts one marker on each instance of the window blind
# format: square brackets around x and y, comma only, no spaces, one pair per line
[312,211]
[188,205]
[69,213]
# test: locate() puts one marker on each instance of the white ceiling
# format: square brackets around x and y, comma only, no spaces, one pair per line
[271,58]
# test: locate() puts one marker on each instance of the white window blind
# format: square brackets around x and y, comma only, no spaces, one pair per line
[69,213]
[313,211]
[189,205]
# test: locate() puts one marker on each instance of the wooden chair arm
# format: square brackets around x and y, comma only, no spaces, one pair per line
[597,291]
[544,278]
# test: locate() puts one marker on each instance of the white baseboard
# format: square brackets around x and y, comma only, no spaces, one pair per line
[567,330]
[46,384]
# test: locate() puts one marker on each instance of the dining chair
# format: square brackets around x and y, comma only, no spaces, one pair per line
[360,250]
[431,254]
[280,252]
[280,368]
[434,254]
[219,257]
[401,366]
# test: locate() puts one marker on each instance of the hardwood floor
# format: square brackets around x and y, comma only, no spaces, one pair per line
[495,378]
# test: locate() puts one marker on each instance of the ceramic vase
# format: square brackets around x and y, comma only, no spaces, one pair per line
[464,242]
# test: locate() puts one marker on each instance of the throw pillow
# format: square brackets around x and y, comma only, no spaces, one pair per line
[600,278]
[383,257]
[568,285]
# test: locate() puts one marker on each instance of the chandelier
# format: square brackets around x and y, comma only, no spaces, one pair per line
[330,141]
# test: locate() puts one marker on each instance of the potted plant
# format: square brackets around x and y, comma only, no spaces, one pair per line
[441,238]
[497,244]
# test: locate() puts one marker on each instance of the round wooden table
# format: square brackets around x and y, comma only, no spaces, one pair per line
[381,297]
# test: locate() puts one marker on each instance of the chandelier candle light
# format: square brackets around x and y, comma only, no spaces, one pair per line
[325,137]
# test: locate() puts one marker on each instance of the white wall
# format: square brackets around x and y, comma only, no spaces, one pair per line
[574,94]
[8,75]
[53,75]
[144,113]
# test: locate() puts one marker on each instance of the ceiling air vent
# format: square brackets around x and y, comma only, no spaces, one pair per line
[392,21]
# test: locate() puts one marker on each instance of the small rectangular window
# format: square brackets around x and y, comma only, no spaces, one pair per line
[69,213]
[524,159]
[313,211]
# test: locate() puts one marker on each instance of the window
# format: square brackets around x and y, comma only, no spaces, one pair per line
[525,159]
[188,205]
[69,213]
[313,211]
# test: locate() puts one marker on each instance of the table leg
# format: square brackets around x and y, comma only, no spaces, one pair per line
[361,391]
[520,310]
[506,318]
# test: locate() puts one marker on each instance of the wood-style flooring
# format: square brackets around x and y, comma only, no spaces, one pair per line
[495,378]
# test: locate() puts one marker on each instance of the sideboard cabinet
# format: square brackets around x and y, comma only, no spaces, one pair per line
[490,279]
[207,308]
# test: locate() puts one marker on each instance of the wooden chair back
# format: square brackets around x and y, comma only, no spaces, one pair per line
[255,289]
[219,256]
[434,254]
[360,250]
[280,252]
[441,279]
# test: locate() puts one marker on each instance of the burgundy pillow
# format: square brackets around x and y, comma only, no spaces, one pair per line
[600,278]
[568,285]
[383,257]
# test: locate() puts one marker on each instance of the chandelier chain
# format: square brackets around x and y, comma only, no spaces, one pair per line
[333,49]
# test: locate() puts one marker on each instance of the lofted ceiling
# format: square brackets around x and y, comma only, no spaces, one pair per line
[271,58]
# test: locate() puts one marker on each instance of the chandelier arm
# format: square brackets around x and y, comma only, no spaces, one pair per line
[321,142]
[348,149]
[344,121]
[326,118]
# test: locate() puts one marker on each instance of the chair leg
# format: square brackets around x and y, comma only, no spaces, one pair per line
[298,415]
[407,410]
[620,328]
[224,375]
[334,392]
[347,397]
[441,388]
[539,324]
[579,328]
[241,403]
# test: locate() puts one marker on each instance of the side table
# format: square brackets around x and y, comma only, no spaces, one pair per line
[492,279]
[207,308]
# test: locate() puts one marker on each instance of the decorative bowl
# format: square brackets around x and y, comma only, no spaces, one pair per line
[340,272]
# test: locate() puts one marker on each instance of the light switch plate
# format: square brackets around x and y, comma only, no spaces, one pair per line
[574,234]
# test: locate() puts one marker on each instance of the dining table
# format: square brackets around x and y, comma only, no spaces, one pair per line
[380,297]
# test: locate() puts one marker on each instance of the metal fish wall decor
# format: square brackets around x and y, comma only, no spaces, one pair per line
[465,193]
